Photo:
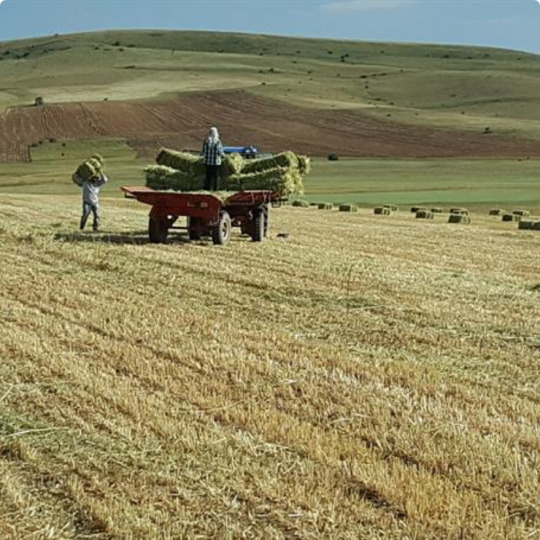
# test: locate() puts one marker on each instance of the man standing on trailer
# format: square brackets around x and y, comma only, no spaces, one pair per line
[90,193]
[212,152]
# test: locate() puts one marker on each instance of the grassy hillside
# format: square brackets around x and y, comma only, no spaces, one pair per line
[458,87]
[378,380]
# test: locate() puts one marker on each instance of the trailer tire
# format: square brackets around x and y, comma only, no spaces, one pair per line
[259,226]
[222,233]
[194,230]
[158,230]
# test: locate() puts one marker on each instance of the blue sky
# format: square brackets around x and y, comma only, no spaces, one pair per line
[503,23]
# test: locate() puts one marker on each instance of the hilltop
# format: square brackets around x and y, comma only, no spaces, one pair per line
[366,99]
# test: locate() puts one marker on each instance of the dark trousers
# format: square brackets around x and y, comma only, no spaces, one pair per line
[89,208]
[211,181]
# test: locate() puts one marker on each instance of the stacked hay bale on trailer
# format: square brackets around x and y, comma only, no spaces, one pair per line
[181,171]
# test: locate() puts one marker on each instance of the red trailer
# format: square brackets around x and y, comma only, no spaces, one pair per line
[207,215]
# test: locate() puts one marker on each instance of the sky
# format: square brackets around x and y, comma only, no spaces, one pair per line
[512,24]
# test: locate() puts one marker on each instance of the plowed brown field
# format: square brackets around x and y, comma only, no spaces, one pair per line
[243,119]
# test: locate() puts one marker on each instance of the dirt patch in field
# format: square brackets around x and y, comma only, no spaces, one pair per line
[243,119]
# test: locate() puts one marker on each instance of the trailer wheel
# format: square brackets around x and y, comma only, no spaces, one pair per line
[266,220]
[194,228]
[222,233]
[158,230]
[259,226]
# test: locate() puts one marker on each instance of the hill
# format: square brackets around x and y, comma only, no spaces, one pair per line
[379,379]
[362,99]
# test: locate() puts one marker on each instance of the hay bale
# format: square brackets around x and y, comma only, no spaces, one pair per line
[181,161]
[497,212]
[425,214]
[459,218]
[285,182]
[325,206]
[536,226]
[300,204]
[459,211]
[521,213]
[416,209]
[90,169]
[163,178]
[348,208]
[285,160]
[391,207]
[526,225]
[232,164]
[382,211]
[511,217]
[436,210]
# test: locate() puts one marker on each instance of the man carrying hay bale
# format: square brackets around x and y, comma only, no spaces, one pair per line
[90,185]
[212,152]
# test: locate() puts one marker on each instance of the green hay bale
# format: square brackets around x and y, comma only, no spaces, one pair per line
[348,208]
[232,164]
[300,204]
[89,170]
[325,206]
[526,225]
[425,214]
[304,165]
[181,161]
[163,178]
[459,218]
[459,211]
[282,181]
[511,217]
[98,157]
[436,210]
[285,160]
[497,212]
[521,213]
[391,207]
[382,211]
[416,209]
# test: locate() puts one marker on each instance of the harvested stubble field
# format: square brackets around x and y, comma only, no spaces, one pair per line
[380,379]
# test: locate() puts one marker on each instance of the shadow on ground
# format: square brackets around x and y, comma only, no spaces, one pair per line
[131,238]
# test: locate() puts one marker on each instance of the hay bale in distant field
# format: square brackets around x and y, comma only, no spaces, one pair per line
[300,204]
[526,225]
[436,210]
[416,209]
[348,208]
[325,206]
[497,212]
[391,207]
[382,211]
[511,217]
[521,213]
[459,218]
[536,226]
[459,211]
[333,157]
[425,214]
